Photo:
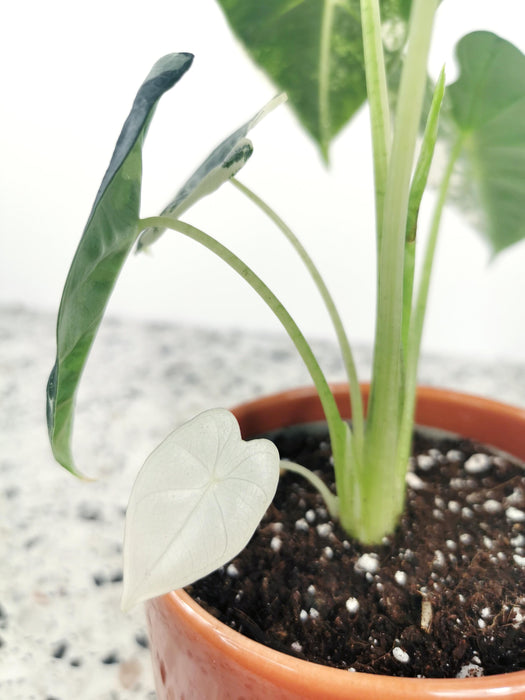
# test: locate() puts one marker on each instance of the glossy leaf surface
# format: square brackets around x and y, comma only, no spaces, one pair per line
[223,163]
[487,105]
[109,235]
[195,504]
[313,50]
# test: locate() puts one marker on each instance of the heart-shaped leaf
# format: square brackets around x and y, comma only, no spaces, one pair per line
[195,504]
[313,50]
[110,233]
[223,163]
[487,105]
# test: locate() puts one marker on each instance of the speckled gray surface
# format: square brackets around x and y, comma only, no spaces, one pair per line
[62,634]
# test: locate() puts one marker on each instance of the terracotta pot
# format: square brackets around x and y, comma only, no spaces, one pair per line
[195,657]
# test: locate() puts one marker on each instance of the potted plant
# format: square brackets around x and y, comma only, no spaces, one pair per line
[202,492]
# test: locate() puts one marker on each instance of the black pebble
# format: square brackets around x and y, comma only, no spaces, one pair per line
[3,618]
[111,658]
[142,640]
[59,650]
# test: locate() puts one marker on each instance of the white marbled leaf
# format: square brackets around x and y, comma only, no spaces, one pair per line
[195,504]
[223,163]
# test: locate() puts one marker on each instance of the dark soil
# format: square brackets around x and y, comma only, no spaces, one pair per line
[444,596]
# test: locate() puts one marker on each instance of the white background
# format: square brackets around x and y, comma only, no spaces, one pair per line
[69,74]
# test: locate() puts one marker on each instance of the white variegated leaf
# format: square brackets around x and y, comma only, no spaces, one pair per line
[195,504]
[224,162]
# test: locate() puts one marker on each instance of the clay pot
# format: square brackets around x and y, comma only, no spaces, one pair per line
[195,657]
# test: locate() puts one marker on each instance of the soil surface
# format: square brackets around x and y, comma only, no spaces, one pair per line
[444,596]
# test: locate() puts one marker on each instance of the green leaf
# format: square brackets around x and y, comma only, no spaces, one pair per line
[223,163]
[313,49]
[108,237]
[487,105]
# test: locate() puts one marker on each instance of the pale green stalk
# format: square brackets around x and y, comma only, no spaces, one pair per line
[332,502]
[417,189]
[377,93]
[325,121]
[337,428]
[382,490]
[418,314]
[346,351]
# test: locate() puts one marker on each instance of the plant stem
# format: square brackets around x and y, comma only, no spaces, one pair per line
[383,491]
[346,351]
[377,93]
[332,502]
[417,189]
[337,428]
[324,77]
[418,314]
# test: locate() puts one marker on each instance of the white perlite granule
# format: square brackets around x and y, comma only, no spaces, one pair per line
[414,482]
[232,571]
[454,506]
[302,525]
[425,462]
[368,563]
[492,506]
[400,577]
[470,671]
[515,515]
[439,558]
[520,561]
[352,605]
[275,544]
[400,655]
[515,497]
[324,529]
[478,463]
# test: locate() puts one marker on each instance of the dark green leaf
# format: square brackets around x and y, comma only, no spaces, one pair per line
[284,37]
[109,235]
[487,105]
[223,163]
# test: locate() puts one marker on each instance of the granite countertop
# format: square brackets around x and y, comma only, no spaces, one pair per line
[62,634]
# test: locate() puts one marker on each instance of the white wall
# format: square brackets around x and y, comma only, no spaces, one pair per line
[70,72]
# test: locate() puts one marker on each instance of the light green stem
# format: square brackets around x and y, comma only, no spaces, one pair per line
[383,492]
[325,128]
[337,428]
[377,93]
[418,314]
[332,502]
[417,189]
[346,351]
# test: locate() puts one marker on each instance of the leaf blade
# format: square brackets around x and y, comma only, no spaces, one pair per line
[297,42]
[223,163]
[109,234]
[487,107]
[195,504]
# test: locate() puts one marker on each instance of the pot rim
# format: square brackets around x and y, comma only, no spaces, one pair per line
[253,655]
